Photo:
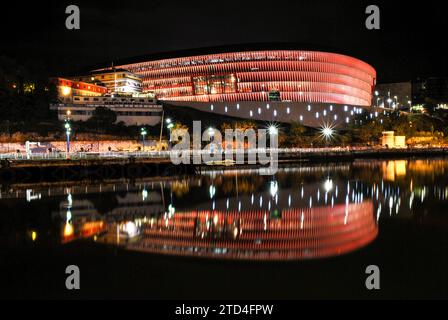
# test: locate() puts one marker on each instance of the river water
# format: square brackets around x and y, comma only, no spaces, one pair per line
[310,231]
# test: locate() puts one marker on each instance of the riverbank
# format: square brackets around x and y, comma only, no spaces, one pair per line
[113,165]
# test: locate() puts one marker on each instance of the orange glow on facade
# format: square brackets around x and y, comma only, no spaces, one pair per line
[297,76]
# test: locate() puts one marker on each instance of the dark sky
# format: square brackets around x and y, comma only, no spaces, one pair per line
[412,41]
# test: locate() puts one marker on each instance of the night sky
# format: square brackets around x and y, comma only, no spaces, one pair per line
[412,41]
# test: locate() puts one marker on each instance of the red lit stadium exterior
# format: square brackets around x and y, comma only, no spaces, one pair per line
[237,84]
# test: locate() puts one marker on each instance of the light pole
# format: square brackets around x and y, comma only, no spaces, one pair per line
[143,133]
[389,101]
[68,130]
[170,126]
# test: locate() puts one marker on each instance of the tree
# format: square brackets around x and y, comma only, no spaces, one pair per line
[296,135]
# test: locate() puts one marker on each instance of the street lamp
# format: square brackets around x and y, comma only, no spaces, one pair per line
[327,132]
[143,133]
[170,126]
[273,130]
[389,101]
[68,130]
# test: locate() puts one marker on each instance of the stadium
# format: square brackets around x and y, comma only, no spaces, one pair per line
[311,87]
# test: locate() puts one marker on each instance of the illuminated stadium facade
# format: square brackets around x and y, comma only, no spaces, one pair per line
[312,87]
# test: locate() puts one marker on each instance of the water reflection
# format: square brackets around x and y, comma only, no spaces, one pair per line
[303,212]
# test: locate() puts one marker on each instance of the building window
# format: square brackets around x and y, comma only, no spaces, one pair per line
[214,84]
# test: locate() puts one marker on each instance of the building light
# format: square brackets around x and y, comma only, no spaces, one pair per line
[251,113]
[317,115]
[301,118]
[288,110]
[275,113]
[309,108]
[259,110]
[347,120]
[66,91]
[345,108]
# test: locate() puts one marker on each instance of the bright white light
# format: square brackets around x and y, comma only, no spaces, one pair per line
[273,130]
[327,132]
[131,229]
[212,191]
[273,189]
[328,185]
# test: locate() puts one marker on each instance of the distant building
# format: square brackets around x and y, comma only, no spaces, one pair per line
[117,81]
[417,95]
[390,140]
[67,89]
[396,95]
[130,110]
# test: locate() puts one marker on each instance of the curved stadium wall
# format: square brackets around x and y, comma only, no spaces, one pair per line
[234,82]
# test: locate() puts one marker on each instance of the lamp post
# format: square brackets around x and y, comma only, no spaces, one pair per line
[143,133]
[68,130]
[389,101]
[170,127]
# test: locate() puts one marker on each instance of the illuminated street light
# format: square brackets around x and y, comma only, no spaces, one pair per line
[68,130]
[170,126]
[327,132]
[143,133]
[273,130]
[389,101]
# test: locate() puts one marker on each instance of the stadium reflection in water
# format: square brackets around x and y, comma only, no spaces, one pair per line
[274,224]
[305,212]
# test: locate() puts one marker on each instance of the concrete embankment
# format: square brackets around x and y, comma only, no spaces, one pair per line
[130,167]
